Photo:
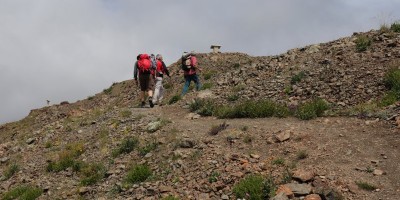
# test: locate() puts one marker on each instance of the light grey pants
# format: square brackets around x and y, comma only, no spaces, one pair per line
[159,90]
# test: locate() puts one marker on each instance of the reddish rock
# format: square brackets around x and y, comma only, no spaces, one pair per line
[312,197]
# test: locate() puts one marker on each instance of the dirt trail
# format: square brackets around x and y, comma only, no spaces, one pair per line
[339,149]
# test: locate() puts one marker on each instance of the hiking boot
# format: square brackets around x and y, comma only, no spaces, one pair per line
[143,104]
[151,102]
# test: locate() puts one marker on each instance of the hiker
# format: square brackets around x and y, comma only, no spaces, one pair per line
[145,70]
[161,69]
[189,67]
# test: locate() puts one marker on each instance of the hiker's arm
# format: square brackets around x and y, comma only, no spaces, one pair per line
[165,68]
[135,71]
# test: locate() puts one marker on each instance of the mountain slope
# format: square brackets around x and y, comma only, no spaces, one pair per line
[73,151]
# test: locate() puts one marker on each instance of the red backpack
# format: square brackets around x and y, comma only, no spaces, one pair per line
[144,63]
[160,68]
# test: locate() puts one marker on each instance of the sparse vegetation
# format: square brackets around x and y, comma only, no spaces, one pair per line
[247,139]
[365,186]
[204,107]
[23,192]
[302,155]
[244,128]
[233,97]
[253,187]
[392,82]
[174,99]
[48,144]
[278,161]
[92,173]
[126,113]
[311,110]
[66,158]
[238,88]
[236,65]
[384,28]
[395,27]
[126,146]
[287,176]
[209,74]
[213,177]
[389,99]
[250,109]
[148,148]
[10,171]
[167,86]
[206,86]
[362,43]
[108,91]
[138,173]
[370,169]
[297,77]
[216,129]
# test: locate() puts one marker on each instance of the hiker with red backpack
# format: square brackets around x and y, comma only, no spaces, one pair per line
[161,69]
[144,69]
[189,67]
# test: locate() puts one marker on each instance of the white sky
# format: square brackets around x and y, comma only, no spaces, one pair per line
[66,50]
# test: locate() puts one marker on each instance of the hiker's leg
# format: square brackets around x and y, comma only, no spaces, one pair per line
[161,92]
[157,90]
[142,98]
[197,81]
[150,90]
[186,86]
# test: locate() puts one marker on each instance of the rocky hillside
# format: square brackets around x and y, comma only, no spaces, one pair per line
[105,147]
[335,71]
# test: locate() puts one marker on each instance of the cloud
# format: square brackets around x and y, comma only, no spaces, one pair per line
[71,49]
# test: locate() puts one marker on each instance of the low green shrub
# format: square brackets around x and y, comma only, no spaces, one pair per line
[362,43]
[148,148]
[252,187]
[206,86]
[365,186]
[92,173]
[174,99]
[10,171]
[126,113]
[250,109]
[311,110]
[278,161]
[204,107]
[108,90]
[392,79]
[196,104]
[209,74]
[297,77]
[167,86]
[66,159]
[126,146]
[233,97]
[213,177]
[138,173]
[395,27]
[302,155]
[390,98]
[23,192]
[287,176]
